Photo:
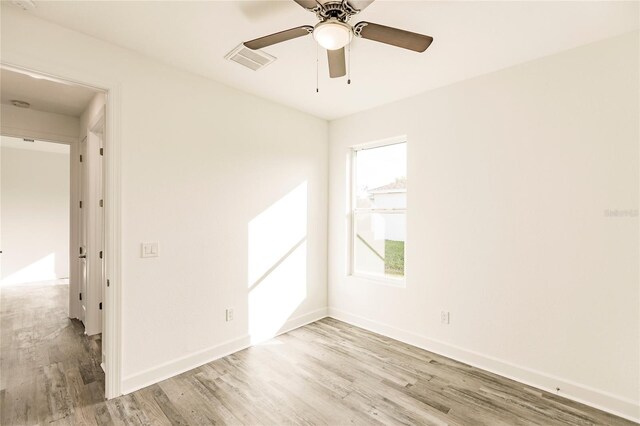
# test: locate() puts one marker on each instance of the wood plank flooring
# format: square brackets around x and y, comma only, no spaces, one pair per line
[326,373]
[49,370]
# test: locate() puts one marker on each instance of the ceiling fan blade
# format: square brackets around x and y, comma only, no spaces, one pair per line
[393,36]
[359,5]
[307,4]
[285,35]
[337,65]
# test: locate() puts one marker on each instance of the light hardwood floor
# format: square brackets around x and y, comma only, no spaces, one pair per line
[327,372]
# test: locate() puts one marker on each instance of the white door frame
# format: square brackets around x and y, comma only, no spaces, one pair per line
[112,325]
[94,296]
[80,224]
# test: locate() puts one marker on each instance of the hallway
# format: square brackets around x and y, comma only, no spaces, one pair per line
[50,371]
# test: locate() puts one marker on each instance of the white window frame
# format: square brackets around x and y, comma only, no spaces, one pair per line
[353,210]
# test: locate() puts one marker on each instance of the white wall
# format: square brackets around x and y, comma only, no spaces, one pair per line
[40,125]
[509,177]
[200,161]
[34,208]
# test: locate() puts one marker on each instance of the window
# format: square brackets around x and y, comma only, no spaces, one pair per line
[379,207]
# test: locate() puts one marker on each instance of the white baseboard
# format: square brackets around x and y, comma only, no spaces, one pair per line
[601,400]
[302,320]
[191,361]
[180,365]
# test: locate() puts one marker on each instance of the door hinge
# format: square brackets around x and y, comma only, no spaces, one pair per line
[80,250]
[108,283]
[101,203]
[100,254]
[80,204]
[81,158]
[80,296]
[101,151]
[100,305]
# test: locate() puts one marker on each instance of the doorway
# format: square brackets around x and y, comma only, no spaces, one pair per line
[76,115]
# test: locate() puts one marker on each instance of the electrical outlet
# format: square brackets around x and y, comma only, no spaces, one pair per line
[444,317]
[229,314]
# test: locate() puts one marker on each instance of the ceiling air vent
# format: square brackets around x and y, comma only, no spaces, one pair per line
[253,59]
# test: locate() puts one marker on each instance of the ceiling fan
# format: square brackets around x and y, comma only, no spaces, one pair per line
[334,32]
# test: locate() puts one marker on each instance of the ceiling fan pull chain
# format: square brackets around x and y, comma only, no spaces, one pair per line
[317,66]
[349,64]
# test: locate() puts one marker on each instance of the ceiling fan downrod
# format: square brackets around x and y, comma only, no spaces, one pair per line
[340,10]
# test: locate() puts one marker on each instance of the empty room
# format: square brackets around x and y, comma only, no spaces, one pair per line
[320,212]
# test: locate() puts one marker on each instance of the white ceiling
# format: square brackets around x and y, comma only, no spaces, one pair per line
[43,94]
[471,38]
[18,143]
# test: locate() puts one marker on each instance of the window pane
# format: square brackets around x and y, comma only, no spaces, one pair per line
[381,177]
[379,244]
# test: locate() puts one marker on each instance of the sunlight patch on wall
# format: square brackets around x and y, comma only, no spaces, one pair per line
[277,275]
[40,270]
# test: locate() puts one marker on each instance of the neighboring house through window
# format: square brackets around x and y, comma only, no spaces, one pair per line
[379,206]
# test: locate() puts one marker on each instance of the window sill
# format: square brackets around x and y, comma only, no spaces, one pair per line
[384,280]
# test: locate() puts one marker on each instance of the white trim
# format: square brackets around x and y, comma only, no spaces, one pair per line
[381,210]
[113,247]
[303,320]
[47,76]
[380,279]
[380,143]
[180,365]
[351,240]
[97,123]
[388,191]
[94,181]
[204,356]
[595,398]
[74,234]
[37,135]
[354,210]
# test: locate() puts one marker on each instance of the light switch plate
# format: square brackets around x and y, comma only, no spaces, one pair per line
[149,250]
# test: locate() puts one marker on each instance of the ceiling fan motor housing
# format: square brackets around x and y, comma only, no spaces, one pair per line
[340,10]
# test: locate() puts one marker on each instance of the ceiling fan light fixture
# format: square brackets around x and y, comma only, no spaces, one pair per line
[332,34]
